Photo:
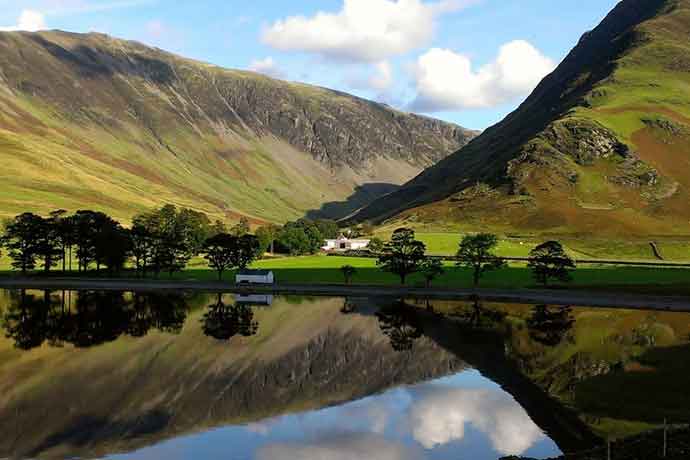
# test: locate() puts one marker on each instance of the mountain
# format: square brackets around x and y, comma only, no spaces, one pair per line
[602,145]
[89,121]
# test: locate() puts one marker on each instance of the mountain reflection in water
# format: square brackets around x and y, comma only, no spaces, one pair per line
[159,375]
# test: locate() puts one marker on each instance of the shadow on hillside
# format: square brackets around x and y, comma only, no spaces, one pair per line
[362,196]
[93,62]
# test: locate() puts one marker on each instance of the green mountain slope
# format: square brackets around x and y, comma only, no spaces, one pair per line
[601,146]
[91,121]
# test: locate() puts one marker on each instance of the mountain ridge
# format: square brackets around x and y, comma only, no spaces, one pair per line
[568,157]
[127,119]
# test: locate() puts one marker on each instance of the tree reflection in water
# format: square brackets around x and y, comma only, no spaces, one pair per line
[94,318]
[401,324]
[549,325]
[27,322]
[478,316]
[223,321]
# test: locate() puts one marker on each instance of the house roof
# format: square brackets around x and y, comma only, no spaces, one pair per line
[248,272]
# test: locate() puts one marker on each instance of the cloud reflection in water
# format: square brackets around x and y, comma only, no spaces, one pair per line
[410,423]
[442,415]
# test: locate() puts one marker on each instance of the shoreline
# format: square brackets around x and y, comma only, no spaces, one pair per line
[570,297]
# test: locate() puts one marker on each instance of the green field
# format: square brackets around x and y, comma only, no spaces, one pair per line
[326,269]
[321,269]
[672,249]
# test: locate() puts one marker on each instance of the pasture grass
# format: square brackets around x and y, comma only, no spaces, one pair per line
[326,270]
[672,249]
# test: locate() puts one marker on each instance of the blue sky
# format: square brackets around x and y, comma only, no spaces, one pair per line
[466,61]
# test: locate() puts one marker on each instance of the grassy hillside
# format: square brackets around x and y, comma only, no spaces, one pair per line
[88,121]
[601,146]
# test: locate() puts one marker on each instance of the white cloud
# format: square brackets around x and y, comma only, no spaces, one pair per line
[442,415]
[445,80]
[345,447]
[267,67]
[371,77]
[383,78]
[29,20]
[363,30]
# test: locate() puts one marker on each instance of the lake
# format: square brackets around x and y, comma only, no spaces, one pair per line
[160,375]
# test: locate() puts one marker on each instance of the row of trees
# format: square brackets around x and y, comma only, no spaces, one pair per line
[160,241]
[403,255]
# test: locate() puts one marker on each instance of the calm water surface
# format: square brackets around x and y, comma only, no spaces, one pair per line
[130,376]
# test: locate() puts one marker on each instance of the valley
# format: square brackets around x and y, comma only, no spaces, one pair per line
[205,262]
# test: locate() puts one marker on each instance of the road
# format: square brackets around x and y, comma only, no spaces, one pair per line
[572,297]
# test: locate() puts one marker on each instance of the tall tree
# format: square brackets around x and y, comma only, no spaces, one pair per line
[226,251]
[245,251]
[93,230]
[48,245]
[21,238]
[402,255]
[85,224]
[141,246]
[177,236]
[267,236]
[113,246]
[60,222]
[476,252]
[295,241]
[219,252]
[550,261]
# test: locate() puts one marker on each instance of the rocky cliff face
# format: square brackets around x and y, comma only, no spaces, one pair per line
[91,116]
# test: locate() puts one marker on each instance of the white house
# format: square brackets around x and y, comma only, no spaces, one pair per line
[342,243]
[254,277]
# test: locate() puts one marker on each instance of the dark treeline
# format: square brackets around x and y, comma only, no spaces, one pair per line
[163,240]
[95,318]
[91,318]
